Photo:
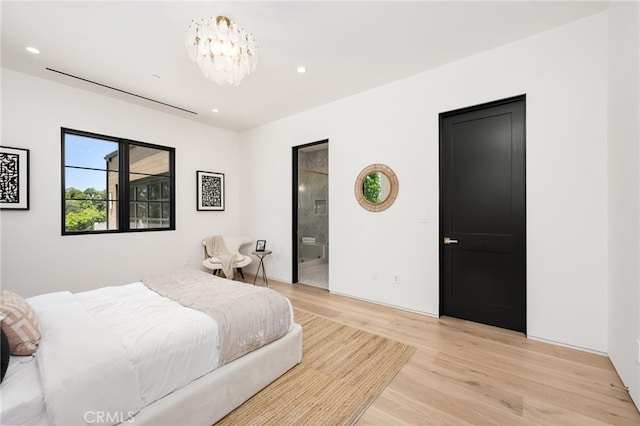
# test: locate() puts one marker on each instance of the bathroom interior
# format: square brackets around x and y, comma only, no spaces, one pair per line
[313,216]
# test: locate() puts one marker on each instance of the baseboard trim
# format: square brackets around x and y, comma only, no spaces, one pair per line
[376,302]
[566,345]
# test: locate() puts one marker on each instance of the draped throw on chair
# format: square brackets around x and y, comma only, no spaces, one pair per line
[222,252]
[217,248]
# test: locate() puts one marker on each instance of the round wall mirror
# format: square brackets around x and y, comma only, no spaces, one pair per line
[376,187]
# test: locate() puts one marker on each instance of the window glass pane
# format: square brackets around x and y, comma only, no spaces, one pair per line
[137,179]
[143,212]
[139,210]
[155,210]
[85,215]
[148,161]
[83,151]
[112,185]
[82,179]
[157,223]
[138,218]
[112,215]
[154,191]
[141,193]
[165,189]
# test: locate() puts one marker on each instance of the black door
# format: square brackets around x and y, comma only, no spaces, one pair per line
[482,206]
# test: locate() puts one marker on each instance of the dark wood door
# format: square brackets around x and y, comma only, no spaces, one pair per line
[482,203]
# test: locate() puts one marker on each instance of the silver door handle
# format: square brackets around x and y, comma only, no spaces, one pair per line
[448,241]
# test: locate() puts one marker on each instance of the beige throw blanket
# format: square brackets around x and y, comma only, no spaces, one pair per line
[216,248]
[248,317]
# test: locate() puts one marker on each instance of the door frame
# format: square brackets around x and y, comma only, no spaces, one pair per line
[441,117]
[294,205]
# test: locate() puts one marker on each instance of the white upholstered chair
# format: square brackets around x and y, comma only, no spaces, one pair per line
[233,244]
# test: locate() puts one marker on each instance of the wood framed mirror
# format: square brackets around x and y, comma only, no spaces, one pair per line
[376,187]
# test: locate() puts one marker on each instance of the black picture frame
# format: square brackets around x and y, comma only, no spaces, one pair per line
[261,245]
[210,187]
[14,178]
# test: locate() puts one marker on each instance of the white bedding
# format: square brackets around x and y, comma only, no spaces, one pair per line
[168,344]
[106,354]
[116,349]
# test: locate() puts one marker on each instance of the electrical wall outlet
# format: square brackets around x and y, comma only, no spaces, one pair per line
[374,275]
[396,279]
[638,351]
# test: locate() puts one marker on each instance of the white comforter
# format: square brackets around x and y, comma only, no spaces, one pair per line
[107,353]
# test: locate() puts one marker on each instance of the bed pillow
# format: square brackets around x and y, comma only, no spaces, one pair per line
[19,323]
[4,355]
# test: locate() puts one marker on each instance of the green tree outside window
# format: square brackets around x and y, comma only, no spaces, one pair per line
[84,208]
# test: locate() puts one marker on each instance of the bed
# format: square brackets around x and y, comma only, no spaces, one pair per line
[182,348]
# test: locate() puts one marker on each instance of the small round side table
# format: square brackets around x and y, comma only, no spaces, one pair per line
[261,255]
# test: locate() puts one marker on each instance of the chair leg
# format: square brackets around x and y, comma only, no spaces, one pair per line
[241,274]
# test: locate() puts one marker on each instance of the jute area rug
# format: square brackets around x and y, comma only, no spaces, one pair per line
[342,372]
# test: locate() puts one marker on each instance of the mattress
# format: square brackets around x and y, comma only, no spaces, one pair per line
[120,349]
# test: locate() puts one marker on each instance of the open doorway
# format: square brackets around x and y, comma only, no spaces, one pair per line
[311,214]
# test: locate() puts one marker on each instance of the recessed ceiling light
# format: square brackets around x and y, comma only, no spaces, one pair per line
[215,110]
[301,69]
[33,50]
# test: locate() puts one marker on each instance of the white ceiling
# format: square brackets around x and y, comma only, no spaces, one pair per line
[347,47]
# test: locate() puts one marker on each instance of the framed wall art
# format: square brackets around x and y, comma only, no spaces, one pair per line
[14,178]
[210,191]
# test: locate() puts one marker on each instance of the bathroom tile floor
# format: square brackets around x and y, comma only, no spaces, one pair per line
[317,275]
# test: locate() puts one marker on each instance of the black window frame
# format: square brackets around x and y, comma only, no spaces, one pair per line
[123,186]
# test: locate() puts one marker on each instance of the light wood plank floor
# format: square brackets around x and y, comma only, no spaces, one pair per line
[466,373]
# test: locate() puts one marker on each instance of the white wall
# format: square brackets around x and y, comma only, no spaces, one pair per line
[624,191]
[35,257]
[563,74]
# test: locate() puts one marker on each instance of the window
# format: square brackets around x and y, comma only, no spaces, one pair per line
[115,185]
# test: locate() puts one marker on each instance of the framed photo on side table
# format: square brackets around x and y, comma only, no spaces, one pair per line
[14,178]
[210,191]
[261,245]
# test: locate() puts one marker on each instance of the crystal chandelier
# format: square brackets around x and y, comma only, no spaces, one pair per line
[224,52]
